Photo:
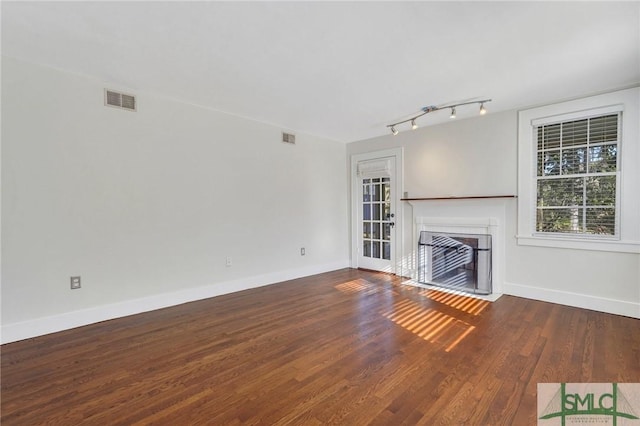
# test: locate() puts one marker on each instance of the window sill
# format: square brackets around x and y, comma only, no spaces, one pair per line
[599,245]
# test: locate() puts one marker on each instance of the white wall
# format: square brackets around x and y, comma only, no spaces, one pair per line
[478,156]
[146,206]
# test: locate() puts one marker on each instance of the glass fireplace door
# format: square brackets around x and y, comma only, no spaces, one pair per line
[456,261]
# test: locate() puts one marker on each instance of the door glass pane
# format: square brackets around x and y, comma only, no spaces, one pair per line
[375,252]
[366,192]
[366,248]
[375,189]
[386,211]
[366,211]
[366,230]
[375,213]
[386,251]
[386,231]
[375,231]
[386,192]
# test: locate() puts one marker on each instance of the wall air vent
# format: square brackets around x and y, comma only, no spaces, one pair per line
[119,100]
[288,138]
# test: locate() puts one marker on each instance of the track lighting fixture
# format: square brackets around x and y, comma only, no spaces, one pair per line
[432,108]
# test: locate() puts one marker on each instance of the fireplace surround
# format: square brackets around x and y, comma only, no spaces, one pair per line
[488,218]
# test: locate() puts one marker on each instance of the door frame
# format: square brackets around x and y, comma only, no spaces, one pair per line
[398,241]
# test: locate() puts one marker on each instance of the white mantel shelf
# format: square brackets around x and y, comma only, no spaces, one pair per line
[472,197]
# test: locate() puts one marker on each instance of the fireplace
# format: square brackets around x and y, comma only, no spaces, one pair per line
[485,218]
[456,261]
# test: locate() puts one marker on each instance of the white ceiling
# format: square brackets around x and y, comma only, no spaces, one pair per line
[341,70]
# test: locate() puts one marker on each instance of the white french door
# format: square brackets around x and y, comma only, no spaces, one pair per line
[376,217]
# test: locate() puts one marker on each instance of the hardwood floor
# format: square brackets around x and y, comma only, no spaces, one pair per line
[347,347]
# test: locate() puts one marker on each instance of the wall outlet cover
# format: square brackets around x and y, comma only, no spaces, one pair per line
[75,283]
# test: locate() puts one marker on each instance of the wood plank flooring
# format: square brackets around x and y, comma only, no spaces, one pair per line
[347,347]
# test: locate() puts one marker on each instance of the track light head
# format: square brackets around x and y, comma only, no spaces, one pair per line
[453,113]
[414,125]
[394,131]
[483,110]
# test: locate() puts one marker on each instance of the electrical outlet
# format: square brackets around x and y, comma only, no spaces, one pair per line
[302,251]
[229,261]
[75,283]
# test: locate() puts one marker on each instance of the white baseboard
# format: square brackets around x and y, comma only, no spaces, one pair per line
[601,304]
[40,326]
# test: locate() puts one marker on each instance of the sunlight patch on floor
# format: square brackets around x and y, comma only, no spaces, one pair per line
[353,286]
[362,286]
[357,286]
[430,324]
[466,304]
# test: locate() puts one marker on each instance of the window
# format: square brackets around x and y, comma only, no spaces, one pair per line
[577,176]
[579,173]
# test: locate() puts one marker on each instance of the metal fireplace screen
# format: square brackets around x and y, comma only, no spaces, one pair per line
[458,261]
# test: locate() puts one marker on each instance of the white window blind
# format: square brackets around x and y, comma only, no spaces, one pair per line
[374,168]
[577,176]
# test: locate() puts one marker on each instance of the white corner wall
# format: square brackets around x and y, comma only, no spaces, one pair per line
[146,206]
[478,156]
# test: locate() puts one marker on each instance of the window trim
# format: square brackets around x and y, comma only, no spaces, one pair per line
[569,117]
[627,204]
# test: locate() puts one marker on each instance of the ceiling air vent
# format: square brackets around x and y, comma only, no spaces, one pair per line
[288,138]
[119,100]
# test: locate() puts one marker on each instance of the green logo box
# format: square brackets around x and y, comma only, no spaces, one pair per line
[612,404]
